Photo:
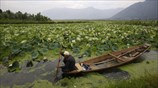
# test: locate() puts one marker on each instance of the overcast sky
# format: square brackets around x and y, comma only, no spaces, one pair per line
[35,6]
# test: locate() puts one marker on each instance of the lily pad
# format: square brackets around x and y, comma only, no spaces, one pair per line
[15,66]
[42,51]
[34,54]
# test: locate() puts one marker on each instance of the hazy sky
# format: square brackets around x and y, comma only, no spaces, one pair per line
[34,6]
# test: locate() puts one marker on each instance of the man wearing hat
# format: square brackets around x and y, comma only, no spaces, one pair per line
[69,62]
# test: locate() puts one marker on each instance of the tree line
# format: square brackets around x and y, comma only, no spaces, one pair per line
[9,15]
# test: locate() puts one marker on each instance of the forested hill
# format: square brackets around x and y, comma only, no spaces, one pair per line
[147,10]
[10,16]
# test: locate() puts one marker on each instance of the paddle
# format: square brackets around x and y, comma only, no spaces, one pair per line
[58,65]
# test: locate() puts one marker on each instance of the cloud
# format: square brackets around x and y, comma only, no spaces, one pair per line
[34,6]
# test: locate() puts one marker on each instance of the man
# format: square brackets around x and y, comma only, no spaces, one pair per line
[69,62]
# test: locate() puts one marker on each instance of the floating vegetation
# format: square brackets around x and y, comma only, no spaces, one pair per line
[82,39]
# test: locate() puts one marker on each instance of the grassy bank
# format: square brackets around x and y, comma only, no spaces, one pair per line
[147,81]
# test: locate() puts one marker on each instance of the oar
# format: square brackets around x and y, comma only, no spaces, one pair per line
[58,65]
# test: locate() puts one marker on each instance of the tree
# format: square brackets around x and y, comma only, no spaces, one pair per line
[18,15]
[25,16]
[22,16]
[1,14]
[10,14]
[1,11]
[38,17]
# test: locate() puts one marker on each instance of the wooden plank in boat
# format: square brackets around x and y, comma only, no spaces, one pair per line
[135,54]
[79,68]
[104,61]
[117,57]
[93,67]
[126,58]
[124,53]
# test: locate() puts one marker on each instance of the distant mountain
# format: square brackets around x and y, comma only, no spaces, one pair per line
[85,13]
[147,10]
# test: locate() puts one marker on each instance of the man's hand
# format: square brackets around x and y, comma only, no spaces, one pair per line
[61,66]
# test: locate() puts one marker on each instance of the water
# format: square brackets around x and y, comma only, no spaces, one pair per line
[41,70]
[116,74]
[46,71]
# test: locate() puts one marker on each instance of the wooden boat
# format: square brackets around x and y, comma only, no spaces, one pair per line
[110,60]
